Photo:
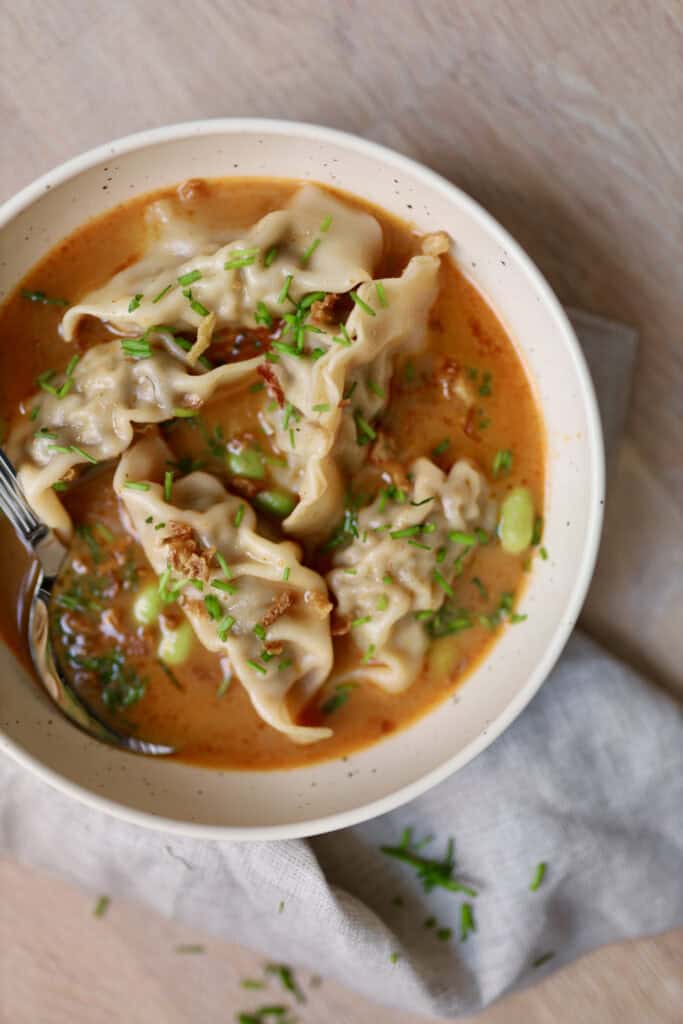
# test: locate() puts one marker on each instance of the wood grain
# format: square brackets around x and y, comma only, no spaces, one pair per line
[564,120]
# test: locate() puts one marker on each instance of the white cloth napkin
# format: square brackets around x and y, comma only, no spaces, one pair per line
[588,780]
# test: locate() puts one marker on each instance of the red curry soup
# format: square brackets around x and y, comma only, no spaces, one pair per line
[296,457]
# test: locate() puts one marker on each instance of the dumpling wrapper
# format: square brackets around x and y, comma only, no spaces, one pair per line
[325,442]
[348,250]
[257,565]
[394,642]
[110,393]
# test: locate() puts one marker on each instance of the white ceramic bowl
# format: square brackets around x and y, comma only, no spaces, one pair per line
[270,805]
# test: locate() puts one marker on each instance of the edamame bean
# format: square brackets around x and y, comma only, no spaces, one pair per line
[175,644]
[516,525]
[276,503]
[147,605]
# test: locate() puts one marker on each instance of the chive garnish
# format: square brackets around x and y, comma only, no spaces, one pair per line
[213,606]
[341,694]
[262,316]
[84,455]
[164,291]
[258,386]
[72,364]
[256,666]
[168,484]
[432,873]
[102,906]
[136,485]
[441,447]
[381,294]
[376,389]
[363,429]
[537,534]
[362,621]
[62,449]
[45,434]
[502,461]
[223,585]
[309,299]
[322,407]
[289,409]
[190,948]
[33,415]
[224,627]
[480,587]
[407,531]
[369,654]
[481,535]
[543,553]
[444,934]
[305,257]
[467,922]
[387,579]
[485,388]
[316,353]
[225,568]
[325,222]
[184,414]
[362,305]
[241,258]
[198,308]
[284,294]
[443,583]
[239,516]
[287,350]
[285,573]
[417,544]
[460,537]
[190,277]
[41,297]
[284,664]
[223,687]
[382,603]
[270,256]
[540,960]
[134,302]
[539,875]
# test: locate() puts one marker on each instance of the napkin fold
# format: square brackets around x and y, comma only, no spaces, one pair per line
[588,780]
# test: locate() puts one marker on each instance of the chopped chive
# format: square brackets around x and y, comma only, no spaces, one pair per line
[62,449]
[444,934]
[225,568]
[381,294]
[407,531]
[189,948]
[164,291]
[369,654]
[362,305]
[84,455]
[41,297]
[316,353]
[382,603]
[341,340]
[224,627]
[305,257]
[104,532]
[258,386]
[149,519]
[364,429]
[256,666]
[502,461]
[362,621]
[198,308]
[136,348]
[537,534]
[309,299]
[284,664]
[72,364]
[341,694]
[539,875]
[376,389]
[213,606]
[485,388]
[287,350]
[387,579]
[168,484]
[259,631]
[540,960]
[440,555]
[467,922]
[239,516]
[134,302]
[45,434]
[292,440]
[190,277]
[285,573]
[43,382]
[102,906]
[284,294]
[481,535]
[428,527]
[270,256]
[289,409]
[224,586]
[252,983]
[480,587]
[417,544]
[441,447]
[351,572]
[443,583]
[184,414]
[223,687]
[241,258]
[543,553]
[262,316]
[33,415]
[197,584]
[322,407]
[460,537]
[325,222]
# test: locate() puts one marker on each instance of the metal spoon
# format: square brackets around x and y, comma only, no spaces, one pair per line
[51,554]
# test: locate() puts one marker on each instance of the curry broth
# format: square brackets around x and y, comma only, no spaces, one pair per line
[464,341]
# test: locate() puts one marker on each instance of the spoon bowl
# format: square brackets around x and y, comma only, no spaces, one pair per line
[52,556]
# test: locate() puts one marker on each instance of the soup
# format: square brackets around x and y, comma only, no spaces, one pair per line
[297,459]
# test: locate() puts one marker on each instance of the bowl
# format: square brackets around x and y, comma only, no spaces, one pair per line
[275,805]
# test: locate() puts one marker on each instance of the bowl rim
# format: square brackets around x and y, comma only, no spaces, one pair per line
[20,201]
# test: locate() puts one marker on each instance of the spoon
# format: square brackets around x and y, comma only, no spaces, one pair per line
[51,554]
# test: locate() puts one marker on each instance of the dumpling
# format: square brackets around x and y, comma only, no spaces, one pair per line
[245,596]
[328,404]
[103,396]
[408,550]
[316,243]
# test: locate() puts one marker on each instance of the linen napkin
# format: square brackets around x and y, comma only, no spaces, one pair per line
[588,780]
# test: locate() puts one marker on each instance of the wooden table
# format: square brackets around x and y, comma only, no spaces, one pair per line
[564,119]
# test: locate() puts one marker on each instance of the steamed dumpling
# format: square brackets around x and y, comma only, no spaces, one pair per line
[183,272]
[109,393]
[268,612]
[402,563]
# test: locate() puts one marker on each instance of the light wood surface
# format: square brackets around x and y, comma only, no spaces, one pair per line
[564,119]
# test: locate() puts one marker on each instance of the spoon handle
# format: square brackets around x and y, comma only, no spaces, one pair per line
[17,509]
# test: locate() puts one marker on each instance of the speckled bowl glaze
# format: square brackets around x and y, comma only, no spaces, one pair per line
[276,805]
